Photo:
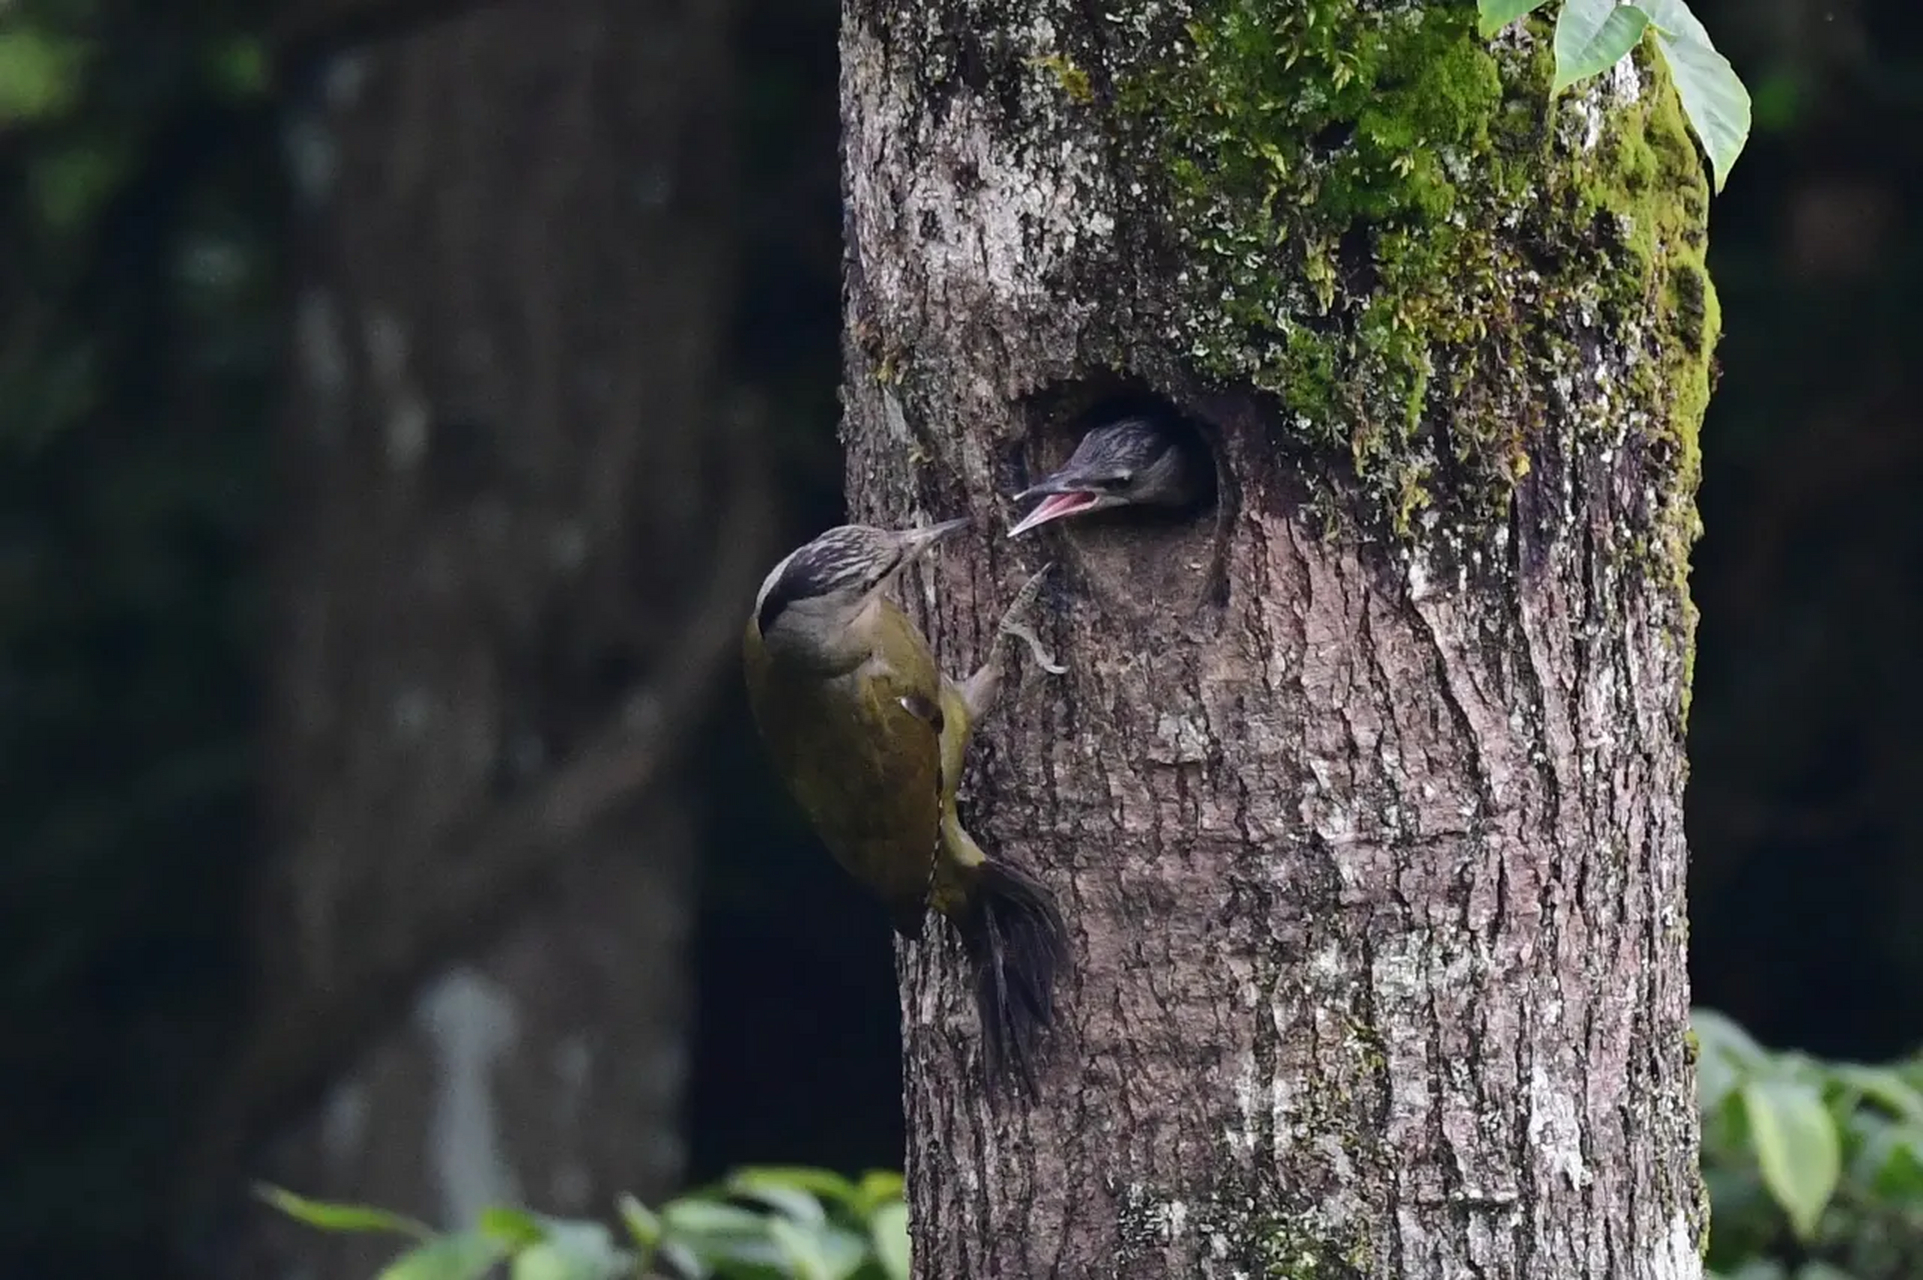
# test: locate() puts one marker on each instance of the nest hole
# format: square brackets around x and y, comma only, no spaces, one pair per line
[1149,561]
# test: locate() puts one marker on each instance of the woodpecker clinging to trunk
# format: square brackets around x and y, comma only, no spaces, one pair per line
[870,737]
[1136,461]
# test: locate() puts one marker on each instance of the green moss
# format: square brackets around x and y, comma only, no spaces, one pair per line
[1659,197]
[1352,187]
[1069,78]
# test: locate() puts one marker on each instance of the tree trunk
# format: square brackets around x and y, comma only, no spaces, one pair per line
[521,517]
[1363,793]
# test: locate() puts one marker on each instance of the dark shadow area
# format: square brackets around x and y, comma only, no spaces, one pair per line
[1806,839]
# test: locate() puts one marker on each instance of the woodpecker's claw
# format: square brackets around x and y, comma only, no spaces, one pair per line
[1015,623]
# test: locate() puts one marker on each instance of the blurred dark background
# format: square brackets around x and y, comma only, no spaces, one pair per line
[157,238]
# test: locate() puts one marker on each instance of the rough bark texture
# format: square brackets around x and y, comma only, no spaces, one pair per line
[513,479]
[1363,793]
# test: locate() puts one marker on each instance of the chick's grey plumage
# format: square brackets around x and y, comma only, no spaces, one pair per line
[1135,461]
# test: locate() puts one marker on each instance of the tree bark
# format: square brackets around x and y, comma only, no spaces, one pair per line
[1361,793]
[521,515]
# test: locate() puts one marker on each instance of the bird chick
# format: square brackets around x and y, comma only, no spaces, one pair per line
[870,736]
[1135,461]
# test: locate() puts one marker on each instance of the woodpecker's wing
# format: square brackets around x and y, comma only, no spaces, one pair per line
[907,691]
[861,755]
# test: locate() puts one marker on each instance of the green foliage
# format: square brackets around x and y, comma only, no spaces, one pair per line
[766,1223]
[1594,35]
[1814,1168]
[1796,1147]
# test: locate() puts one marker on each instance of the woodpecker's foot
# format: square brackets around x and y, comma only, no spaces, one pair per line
[982,690]
[1015,622]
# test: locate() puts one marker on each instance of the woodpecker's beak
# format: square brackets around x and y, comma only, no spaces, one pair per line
[1061,495]
[914,542]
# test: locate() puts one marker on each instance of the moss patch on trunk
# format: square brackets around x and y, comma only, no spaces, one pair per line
[1381,214]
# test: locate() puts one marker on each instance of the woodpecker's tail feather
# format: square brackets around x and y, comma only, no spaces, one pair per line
[1016,941]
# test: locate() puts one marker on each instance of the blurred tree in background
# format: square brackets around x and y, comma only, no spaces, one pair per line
[145,293]
[140,207]
[519,503]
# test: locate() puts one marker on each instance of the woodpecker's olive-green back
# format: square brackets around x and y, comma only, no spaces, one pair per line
[861,753]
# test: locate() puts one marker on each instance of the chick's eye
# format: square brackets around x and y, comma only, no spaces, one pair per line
[1119,480]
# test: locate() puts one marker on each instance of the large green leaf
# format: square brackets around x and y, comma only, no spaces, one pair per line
[889,1227]
[823,1184]
[879,1187]
[1592,36]
[1493,15]
[514,1228]
[545,1262]
[1894,1164]
[826,1254]
[1796,1146]
[328,1216]
[468,1255]
[719,1234]
[642,1223]
[1713,95]
[1885,1088]
[712,1218]
[571,1251]
[1719,1033]
[780,1195]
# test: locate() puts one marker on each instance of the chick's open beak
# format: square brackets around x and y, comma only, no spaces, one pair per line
[1061,494]
[1053,507]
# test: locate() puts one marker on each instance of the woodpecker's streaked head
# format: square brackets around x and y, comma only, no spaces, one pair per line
[825,586]
[1133,462]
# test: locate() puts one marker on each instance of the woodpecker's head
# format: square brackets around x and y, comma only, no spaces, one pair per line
[824,587]
[1134,462]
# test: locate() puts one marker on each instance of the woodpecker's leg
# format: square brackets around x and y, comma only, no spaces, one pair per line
[980,691]
[960,857]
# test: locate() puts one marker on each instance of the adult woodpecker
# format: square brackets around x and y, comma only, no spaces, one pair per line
[870,737]
[1135,461]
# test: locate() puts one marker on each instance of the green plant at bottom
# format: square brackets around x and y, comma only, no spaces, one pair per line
[1814,1167]
[759,1223]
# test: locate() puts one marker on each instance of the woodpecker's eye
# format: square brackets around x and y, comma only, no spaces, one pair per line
[1119,480]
